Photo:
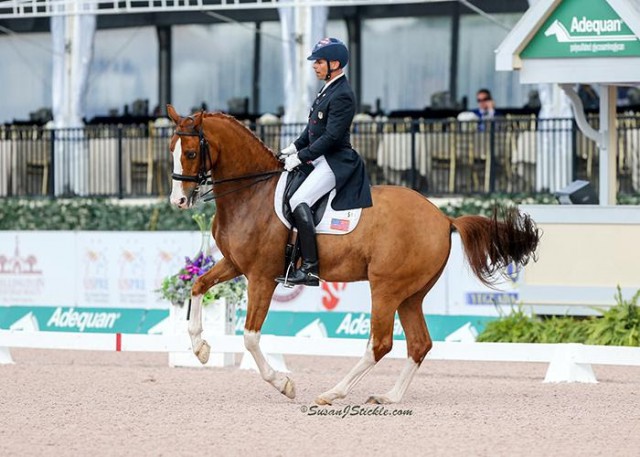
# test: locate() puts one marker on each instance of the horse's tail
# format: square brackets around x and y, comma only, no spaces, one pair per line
[491,244]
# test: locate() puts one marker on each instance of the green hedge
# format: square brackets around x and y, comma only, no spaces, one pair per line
[96,214]
[484,204]
[103,214]
[618,326]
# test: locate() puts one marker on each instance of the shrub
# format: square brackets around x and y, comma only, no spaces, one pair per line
[618,326]
[483,205]
[516,327]
[95,214]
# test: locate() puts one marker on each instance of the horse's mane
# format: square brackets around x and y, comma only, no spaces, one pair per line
[233,120]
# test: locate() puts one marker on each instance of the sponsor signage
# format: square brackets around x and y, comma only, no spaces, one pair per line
[82,320]
[354,324]
[90,269]
[107,281]
[578,28]
[281,323]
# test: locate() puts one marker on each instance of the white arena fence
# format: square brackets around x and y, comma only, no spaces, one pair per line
[567,362]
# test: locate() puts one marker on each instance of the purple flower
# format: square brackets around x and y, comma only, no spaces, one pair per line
[195,267]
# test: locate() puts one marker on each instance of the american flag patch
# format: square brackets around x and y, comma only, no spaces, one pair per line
[340,224]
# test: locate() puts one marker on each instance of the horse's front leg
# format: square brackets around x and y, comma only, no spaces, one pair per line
[222,271]
[260,293]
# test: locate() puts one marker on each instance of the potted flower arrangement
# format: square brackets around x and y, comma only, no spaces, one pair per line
[176,288]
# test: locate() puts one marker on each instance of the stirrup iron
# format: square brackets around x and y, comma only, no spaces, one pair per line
[286,282]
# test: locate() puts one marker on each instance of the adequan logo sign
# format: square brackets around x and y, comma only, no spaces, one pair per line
[594,29]
[597,39]
[579,29]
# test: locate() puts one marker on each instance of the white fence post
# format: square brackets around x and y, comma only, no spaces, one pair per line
[564,366]
[5,356]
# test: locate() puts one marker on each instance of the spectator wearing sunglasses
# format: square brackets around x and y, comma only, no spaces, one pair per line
[486,109]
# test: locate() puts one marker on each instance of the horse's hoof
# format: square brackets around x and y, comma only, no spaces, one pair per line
[203,352]
[322,401]
[289,389]
[378,400]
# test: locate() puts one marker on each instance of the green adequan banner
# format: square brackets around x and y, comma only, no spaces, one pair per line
[355,324]
[85,320]
[282,323]
[583,28]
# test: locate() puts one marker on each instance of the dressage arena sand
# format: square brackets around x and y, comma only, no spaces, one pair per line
[58,403]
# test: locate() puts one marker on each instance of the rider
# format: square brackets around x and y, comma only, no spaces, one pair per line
[325,143]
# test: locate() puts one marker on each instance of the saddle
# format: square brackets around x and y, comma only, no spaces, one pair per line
[326,219]
[295,179]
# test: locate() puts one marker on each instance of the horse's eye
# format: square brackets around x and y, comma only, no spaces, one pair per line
[191,155]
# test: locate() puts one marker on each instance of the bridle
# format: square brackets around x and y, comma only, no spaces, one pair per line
[203,175]
[204,178]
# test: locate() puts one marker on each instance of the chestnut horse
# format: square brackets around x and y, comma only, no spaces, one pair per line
[401,246]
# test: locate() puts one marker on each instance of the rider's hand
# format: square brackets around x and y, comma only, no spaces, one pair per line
[291,162]
[288,151]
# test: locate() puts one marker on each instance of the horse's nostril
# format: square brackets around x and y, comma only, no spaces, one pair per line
[183,200]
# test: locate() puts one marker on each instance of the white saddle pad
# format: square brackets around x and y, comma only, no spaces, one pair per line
[333,222]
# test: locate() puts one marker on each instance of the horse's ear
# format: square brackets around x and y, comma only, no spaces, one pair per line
[171,111]
[197,119]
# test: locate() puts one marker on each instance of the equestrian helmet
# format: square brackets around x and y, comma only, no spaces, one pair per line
[330,49]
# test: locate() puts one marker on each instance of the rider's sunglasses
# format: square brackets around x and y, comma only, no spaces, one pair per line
[480,100]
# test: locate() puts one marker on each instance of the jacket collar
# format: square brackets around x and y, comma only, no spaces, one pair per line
[331,83]
[327,89]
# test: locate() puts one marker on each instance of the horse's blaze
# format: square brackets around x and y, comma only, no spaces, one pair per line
[178,197]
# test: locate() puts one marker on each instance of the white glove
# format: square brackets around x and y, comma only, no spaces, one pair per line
[286,152]
[291,162]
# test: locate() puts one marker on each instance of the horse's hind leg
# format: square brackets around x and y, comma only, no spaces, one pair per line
[260,293]
[379,345]
[418,345]
[221,271]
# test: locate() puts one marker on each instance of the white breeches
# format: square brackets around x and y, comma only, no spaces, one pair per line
[320,182]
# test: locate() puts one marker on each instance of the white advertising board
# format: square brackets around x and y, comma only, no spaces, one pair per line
[123,270]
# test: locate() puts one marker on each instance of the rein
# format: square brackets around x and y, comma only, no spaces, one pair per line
[258,178]
[204,177]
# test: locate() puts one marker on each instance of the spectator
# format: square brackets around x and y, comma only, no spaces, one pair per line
[486,107]
[588,95]
[533,101]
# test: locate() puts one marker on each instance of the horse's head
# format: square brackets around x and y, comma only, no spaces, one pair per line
[191,158]
[197,146]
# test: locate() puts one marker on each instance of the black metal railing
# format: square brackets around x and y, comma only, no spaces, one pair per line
[519,154]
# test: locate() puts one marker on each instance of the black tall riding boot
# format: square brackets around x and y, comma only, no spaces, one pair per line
[307,274]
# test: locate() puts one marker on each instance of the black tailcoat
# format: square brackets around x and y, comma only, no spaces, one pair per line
[327,133]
